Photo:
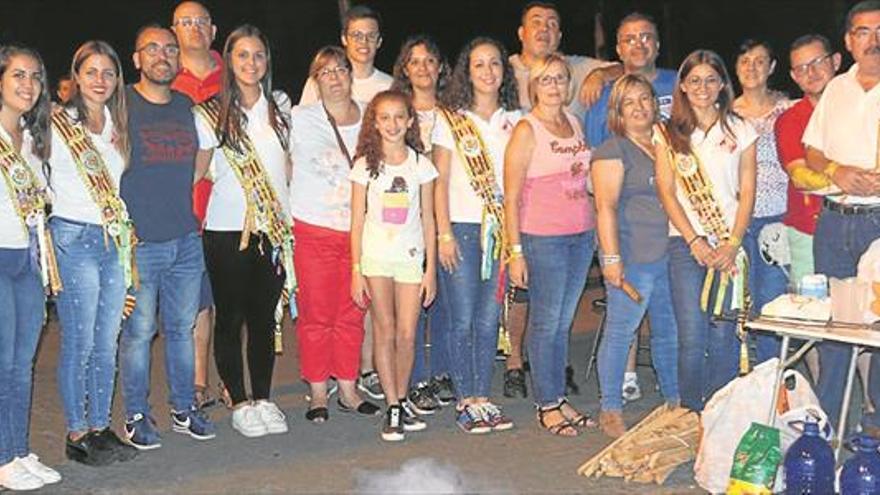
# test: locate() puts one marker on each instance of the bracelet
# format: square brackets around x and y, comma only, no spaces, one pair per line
[356,267]
[447,237]
[609,259]
[830,169]
[514,255]
[695,239]
[734,240]
[516,249]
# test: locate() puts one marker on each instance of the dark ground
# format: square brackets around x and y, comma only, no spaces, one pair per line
[346,455]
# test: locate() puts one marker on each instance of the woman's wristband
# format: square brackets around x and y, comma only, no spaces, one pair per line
[609,259]
[355,267]
[447,237]
[695,239]
[734,241]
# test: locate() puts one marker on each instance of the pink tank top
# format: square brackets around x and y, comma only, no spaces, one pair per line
[554,198]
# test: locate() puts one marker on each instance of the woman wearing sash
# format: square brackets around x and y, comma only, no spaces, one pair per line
[330,328]
[94,241]
[421,72]
[24,146]
[705,175]
[633,234]
[551,232]
[479,110]
[248,249]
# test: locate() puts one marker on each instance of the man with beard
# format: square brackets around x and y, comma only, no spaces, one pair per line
[157,187]
[841,141]
[199,78]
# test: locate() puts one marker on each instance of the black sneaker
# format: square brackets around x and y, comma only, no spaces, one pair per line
[86,450]
[392,427]
[368,383]
[107,439]
[515,383]
[422,400]
[443,389]
[411,420]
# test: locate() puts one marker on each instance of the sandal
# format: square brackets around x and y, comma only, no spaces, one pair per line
[203,398]
[562,428]
[224,397]
[579,419]
[318,414]
[515,383]
[365,408]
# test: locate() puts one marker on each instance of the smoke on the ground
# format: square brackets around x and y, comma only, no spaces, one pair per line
[424,476]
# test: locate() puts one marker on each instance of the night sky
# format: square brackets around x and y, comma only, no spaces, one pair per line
[296,28]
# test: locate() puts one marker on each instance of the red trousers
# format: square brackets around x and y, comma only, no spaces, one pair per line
[330,327]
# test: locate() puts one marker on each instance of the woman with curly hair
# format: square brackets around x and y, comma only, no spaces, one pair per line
[393,244]
[421,72]
[479,110]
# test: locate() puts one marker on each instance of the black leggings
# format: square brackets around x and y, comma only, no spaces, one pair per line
[246,289]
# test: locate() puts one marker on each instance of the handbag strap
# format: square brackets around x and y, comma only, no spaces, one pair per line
[339,140]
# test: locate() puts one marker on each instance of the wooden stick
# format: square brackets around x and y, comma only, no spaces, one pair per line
[589,467]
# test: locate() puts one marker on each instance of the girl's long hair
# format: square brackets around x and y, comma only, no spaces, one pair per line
[683,120]
[460,92]
[117,102]
[36,120]
[232,119]
[370,141]
[401,80]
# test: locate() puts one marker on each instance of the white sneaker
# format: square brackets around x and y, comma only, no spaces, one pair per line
[631,391]
[246,420]
[271,416]
[16,477]
[32,463]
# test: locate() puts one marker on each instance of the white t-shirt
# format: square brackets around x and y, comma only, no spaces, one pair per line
[844,126]
[320,192]
[227,205]
[12,232]
[362,90]
[464,204]
[393,226]
[720,157]
[580,67]
[71,198]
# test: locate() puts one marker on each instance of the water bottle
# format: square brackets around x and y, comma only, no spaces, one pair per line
[861,473]
[809,464]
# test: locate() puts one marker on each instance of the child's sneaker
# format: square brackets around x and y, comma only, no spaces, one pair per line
[392,427]
[193,422]
[470,420]
[140,431]
[493,415]
[421,399]
[411,420]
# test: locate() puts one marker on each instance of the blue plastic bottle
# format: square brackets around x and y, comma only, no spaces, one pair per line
[861,473]
[809,464]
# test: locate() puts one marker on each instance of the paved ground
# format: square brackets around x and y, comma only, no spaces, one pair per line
[345,455]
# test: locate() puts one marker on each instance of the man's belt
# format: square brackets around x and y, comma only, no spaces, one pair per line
[849,209]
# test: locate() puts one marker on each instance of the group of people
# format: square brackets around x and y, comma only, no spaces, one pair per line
[386,210]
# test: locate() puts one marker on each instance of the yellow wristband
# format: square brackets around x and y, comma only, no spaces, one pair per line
[734,241]
[830,169]
[516,248]
[808,179]
[515,255]
[356,267]
[446,237]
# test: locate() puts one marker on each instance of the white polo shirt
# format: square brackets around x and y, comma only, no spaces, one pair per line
[844,127]
[719,155]
[71,199]
[227,205]
[464,204]
[12,232]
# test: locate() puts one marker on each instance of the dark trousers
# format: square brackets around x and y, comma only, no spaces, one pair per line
[246,287]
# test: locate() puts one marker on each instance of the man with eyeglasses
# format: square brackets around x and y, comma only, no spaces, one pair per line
[361,37]
[200,78]
[157,187]
[841,141]
[638,45]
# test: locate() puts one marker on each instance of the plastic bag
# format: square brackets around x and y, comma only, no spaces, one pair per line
[755,462]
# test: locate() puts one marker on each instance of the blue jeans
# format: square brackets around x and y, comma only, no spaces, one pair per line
[437,362]
[622,321]
[839,242]
[474,312]
[557,272]
[766,283]
[90,311]
[171,279]
[22,309]
[708,349]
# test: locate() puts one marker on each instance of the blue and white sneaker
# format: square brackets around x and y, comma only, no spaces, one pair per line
[193,422]
[470,419]
[140,433]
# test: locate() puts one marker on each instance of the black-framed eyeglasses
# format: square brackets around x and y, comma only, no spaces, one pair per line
[360,37]
[153,49]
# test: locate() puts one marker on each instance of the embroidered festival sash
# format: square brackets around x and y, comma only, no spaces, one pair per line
[95,176]
[473,152]
[263,213]
[29,200]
